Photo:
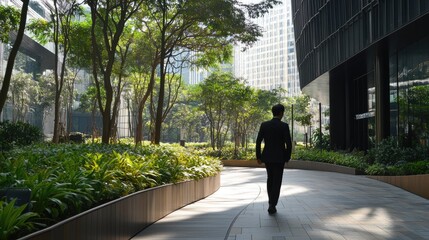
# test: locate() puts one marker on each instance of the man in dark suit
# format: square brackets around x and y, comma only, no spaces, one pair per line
[276,153]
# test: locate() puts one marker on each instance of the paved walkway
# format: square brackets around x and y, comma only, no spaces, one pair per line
[313,206]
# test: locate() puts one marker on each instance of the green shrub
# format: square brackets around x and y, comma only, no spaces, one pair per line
[403,161]
[321,141]
[354,160]
[13,219]
[376,169]
[388,153]
[410,168]
[228,152]
[198,166]
[17,134]
[197,145]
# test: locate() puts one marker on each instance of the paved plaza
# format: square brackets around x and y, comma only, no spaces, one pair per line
[313,206]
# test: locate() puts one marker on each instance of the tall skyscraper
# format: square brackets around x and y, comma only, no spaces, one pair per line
[271,62]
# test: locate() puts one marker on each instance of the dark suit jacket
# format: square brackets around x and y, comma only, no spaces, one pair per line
[278,143]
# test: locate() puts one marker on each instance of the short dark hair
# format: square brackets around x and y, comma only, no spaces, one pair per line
[277,109]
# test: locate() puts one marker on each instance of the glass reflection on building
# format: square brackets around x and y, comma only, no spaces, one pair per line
[409,94]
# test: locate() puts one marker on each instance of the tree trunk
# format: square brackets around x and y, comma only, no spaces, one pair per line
[130,118]
[98,63]
[11,60]
[139,128]
[105,137]
[160,106]
[152,119]
[56,137]
[94,125]
[70,105]
[69,116]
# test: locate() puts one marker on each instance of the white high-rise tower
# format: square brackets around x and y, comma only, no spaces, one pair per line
[271,62]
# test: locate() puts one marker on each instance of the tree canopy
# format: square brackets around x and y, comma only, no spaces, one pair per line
[138,49]
[9,21]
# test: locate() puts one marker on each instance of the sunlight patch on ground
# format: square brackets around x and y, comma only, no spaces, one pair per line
[375,221]
[290,190]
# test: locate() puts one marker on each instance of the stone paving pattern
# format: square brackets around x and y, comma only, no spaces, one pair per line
[313,206]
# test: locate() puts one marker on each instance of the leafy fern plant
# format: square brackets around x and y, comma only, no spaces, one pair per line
[12,219]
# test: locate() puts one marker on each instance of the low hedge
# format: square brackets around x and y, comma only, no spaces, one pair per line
[406,168]
[386,158]
[366,162]
[388,153]
[228,152]
[18,134]
[353,160]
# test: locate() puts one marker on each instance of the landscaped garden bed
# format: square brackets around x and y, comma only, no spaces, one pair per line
[68,179]
[407,168]
[125,217]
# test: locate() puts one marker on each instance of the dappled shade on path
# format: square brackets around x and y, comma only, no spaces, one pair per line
[313,205]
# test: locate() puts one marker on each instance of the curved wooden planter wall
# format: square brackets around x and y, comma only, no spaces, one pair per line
[417,184]
[125,217]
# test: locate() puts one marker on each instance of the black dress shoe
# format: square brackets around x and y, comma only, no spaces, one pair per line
[272,210]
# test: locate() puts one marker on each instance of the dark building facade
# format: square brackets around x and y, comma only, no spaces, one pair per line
[369,61]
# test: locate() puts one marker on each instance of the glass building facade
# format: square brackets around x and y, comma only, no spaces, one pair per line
[270,62]
[36,59]
[32,59]
[409,93]
[369,61]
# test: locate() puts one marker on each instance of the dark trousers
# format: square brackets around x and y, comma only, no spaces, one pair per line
[274,181]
